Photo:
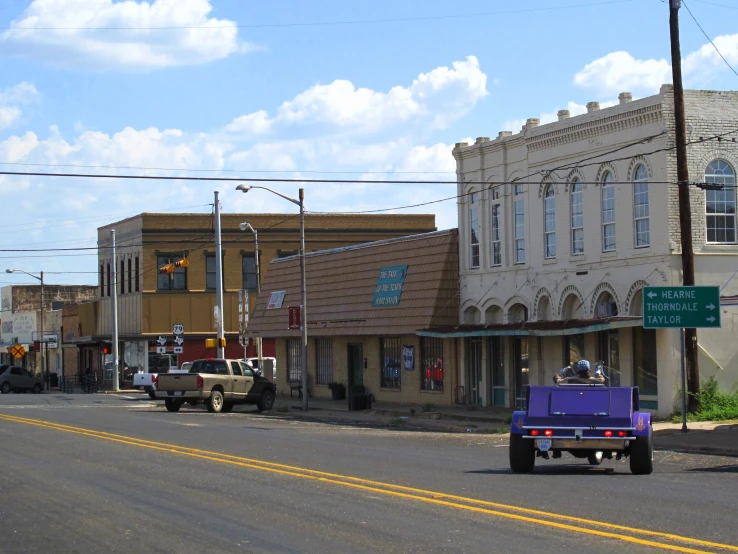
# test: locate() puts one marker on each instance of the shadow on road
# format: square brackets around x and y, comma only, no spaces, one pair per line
[717,469]
[553,470]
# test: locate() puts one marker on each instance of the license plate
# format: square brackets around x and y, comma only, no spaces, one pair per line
[544,445]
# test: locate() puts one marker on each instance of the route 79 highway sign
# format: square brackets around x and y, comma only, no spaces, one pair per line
[681,307]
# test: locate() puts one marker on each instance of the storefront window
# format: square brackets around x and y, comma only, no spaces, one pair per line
[431,363]
[645,374]
[132,359]
[391,363]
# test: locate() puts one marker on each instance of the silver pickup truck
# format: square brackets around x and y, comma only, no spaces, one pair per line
[219,384]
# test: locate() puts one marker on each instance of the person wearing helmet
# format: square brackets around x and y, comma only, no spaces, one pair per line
[581,372]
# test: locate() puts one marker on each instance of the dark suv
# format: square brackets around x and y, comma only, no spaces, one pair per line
[18,379]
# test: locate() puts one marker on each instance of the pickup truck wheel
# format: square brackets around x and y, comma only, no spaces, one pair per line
[522,454]
[172,405]
[227,407]
[266,402]
[215,403]
[594,458]
[641,454]
[5,389]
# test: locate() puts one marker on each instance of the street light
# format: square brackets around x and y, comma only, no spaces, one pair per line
[247,226]
[303,309]
[42,342]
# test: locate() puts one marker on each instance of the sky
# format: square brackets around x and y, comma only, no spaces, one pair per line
[293,89]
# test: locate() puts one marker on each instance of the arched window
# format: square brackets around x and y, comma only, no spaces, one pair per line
[495,225]
[493,314]
[720,204]
[640,208]
[472,316]
[608,212]
[549,222]
[543,310]
[474,229]
[519,207]
[517,314]
[606,306]
[577,219]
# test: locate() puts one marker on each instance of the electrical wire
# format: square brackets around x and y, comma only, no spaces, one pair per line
[708,38]
[319,23]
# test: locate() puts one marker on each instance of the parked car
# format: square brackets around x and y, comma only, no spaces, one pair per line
[219,384]
[19,379]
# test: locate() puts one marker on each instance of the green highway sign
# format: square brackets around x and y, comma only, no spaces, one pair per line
[677,307]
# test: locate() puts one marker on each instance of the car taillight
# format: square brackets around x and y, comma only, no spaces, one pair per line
[534,432]
[548,433]
[622,434]
[608,433]
[154,379]
[200,383]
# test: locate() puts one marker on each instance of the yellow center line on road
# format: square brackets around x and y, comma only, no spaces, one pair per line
[430,497]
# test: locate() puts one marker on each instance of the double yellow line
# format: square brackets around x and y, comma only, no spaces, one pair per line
[643,537]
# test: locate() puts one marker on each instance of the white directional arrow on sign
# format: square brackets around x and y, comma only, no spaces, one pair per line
[162,341]
[711,319]
[710,306]
[651,294]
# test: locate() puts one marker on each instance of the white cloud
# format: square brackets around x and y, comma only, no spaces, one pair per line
[71,33]
[257,123]
[16,148]
[703,65]
[620,72]
[342,104]
[10,101]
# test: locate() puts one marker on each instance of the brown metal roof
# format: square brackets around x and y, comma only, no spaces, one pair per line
[533,328]
[341,285]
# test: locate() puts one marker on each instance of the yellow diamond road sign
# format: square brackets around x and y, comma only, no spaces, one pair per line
[18,351]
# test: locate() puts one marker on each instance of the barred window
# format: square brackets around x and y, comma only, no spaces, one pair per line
[294,359]
[391,363]
[324,361]
[431,356]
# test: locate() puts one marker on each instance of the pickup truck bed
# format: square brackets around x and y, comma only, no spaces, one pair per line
[587,421]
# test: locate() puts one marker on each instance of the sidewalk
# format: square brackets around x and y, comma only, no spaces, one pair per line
[718,438]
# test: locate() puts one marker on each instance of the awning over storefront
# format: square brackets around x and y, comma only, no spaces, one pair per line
[533,328]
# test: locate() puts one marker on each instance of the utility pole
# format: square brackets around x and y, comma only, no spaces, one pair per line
[259,352]
[685,213]
[114,313]
[303,308]
[44,373]
[219,279]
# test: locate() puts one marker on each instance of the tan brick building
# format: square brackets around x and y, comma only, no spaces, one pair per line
[150,303]
[365,307]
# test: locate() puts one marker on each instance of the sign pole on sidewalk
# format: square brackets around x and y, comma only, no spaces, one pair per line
[684,383]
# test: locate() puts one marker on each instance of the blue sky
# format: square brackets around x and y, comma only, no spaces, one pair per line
[286,94]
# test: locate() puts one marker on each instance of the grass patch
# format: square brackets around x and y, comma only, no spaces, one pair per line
[716,405]
[429,407]
[398,420]
[508,419]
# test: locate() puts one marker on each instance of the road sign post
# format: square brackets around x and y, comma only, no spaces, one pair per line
[178,331]
[681,307]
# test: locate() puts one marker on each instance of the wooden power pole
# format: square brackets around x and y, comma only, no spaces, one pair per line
[685,213]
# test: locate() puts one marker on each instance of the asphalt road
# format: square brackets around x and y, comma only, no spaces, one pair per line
[95,473]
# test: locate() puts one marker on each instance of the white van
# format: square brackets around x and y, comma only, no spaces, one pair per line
[255,363]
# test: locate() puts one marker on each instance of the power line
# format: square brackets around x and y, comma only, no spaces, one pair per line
[708,38]
[717,4]
[318,23]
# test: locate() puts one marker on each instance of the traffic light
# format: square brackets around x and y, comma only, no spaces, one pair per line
[184,262]
[107,349]
[169,268]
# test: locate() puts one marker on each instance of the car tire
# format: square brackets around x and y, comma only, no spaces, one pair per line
[641,454]
[595,458]
[227,407]
[216,402]
[152,395]
[37,389]
[6,388]
[522,454]
[266,402]
[172,405]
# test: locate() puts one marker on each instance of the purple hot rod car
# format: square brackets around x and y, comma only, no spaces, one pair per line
[591,421]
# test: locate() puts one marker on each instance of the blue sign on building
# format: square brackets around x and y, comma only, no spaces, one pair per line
[389,286]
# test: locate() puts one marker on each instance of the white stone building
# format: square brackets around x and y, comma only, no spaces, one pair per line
[561,225]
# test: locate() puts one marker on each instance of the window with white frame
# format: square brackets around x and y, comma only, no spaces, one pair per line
[549,222]
[519,238]
[495,225]
[608,212]
[720,204]
[577,218]
[474,230]
[641,223]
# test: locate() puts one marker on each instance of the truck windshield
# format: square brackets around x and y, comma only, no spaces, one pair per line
[214,367]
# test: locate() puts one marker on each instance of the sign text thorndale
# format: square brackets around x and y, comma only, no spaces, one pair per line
[681,307]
